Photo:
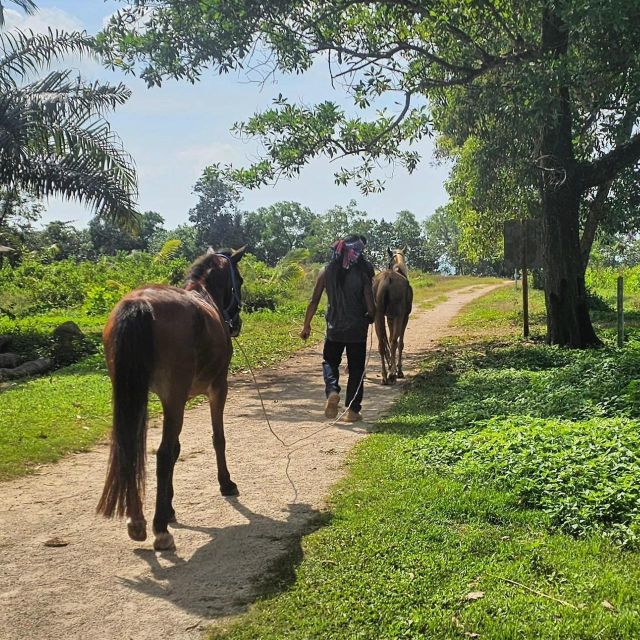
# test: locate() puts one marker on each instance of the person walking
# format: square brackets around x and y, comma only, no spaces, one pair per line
[348,281]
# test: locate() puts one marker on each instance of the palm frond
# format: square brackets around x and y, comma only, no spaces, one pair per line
[289,268]
[168,250]
[28,6]
[54,139]
[25,52]
[59,92]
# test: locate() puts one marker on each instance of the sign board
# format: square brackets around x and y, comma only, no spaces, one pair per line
[521,235]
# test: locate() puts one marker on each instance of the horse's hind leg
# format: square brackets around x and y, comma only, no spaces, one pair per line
[393,347]
[166,458]
[401,346]
[383,360]
[217,399]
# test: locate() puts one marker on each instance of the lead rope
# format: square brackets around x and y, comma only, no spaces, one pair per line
[317,431]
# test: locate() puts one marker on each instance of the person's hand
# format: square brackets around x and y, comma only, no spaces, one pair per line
[306,332]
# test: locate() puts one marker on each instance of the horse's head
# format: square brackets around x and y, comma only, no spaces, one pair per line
[398,261]
[217,272]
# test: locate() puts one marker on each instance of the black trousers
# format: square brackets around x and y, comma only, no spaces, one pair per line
[356,355]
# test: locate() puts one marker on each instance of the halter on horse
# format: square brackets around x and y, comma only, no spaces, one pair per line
[176,343]
[394,298]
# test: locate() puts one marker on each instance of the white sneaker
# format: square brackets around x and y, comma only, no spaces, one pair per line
[331,406]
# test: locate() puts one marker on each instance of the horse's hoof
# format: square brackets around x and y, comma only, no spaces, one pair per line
[392,380]
[137,529]
[229,489]
[385,381]
[164,542]
[400,374]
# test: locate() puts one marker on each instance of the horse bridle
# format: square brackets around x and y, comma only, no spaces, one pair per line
[232,310]
[396,253]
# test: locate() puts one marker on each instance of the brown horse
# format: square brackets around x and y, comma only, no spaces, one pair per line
[393,297]
[177,343]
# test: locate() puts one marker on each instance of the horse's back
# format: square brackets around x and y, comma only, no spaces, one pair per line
[190,342]
[393,293]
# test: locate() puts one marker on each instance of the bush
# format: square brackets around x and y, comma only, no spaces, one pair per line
[35,287]
[557,427]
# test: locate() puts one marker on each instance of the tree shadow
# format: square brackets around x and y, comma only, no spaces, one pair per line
[235,567]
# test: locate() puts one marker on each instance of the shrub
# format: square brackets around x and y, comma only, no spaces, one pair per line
[558,427]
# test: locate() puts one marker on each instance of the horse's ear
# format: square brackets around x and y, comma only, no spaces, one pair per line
[404,249]
[236,255]
[210,250]
[390,252]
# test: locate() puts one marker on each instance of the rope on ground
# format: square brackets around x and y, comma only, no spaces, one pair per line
[310,435]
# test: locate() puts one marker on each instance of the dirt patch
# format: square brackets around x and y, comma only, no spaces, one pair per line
[96,583]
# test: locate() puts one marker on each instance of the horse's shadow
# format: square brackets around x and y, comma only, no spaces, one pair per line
[235,567]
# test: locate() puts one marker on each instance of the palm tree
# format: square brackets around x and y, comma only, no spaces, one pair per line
[54,138]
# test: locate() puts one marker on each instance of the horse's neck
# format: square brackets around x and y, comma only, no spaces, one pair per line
[201,291]
[401,269]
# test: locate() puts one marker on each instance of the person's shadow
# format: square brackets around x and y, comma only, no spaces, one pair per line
[239,564]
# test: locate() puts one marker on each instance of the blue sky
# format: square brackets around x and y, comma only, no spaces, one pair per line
[175,131]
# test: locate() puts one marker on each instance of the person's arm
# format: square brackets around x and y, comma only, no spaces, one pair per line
[368,299]
[313,306]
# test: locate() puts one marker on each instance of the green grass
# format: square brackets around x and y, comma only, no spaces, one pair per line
[510,470]
[44,418]
[430,290]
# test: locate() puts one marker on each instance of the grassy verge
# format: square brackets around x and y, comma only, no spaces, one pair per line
[42,419]
[499,500]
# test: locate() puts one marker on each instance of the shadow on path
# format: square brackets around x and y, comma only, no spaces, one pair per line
[228,573]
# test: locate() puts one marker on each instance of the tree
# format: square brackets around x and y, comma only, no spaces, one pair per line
[185,233]
[55,139]
[60,240]
[442,242]
[570,66]
[272,232]
[408,233]
[216,218]
[338,222]
[18,212]
[107,238]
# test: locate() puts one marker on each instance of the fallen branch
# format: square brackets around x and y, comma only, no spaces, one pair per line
[538,593]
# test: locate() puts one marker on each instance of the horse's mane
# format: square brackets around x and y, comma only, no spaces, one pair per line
[203,264]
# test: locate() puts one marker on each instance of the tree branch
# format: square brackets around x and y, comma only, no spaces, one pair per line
[594,218]
[608,166]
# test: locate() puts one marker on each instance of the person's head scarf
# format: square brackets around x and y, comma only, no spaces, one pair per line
[347,253]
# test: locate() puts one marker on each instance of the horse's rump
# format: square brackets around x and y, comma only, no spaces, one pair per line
[393,298]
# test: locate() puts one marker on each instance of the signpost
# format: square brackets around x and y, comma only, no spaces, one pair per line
[523,250]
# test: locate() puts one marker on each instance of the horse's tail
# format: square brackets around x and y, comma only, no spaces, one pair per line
[381,328]
[132,342]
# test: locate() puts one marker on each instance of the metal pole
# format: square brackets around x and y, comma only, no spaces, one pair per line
[525,283]
[620,310]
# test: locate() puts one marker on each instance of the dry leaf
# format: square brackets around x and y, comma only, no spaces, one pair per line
[56,542]
[474,595]
[607,605]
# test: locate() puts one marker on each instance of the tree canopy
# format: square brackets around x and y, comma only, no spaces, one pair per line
[549,87]
[54,138]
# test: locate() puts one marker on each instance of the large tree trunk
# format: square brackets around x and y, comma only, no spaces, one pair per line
[568,321]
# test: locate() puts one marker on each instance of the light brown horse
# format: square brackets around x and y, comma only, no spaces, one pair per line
[393,297]
[177,343]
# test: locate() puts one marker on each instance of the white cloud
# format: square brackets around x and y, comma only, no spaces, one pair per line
[43,20]
[197,157]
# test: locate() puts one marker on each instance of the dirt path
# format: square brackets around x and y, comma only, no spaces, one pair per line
[103,585]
